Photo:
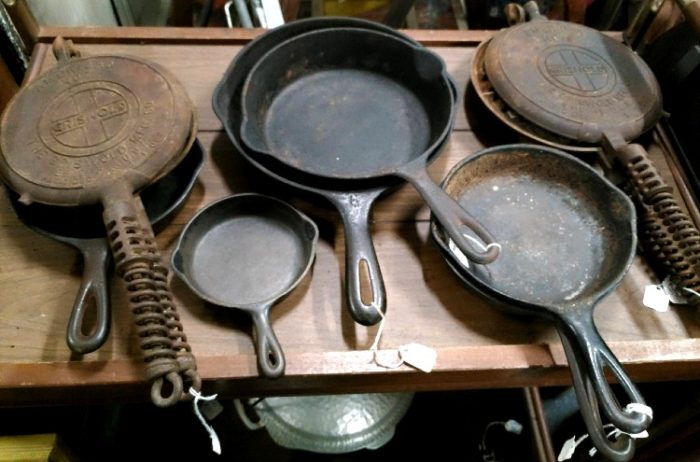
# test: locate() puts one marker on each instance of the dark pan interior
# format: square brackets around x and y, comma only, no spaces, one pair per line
[246,251]
[566,234]
[366,104]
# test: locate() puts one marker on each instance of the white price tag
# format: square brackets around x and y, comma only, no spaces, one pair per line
[419,356]
[567,450]
[656,298]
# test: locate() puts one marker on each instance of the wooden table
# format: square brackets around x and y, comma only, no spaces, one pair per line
[326,351]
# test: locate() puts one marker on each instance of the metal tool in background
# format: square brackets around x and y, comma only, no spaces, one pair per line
[104,127]
[568,238]
[267,14]
[247,251]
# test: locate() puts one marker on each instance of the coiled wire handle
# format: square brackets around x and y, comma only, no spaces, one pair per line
[164,346]
[669,237]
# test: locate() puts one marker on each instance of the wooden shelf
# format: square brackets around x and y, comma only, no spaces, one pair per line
[477,346]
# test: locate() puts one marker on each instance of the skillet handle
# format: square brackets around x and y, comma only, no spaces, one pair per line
[451,215]
[268,349]
[95,286]
[621,450]
[578,327]
[360,257]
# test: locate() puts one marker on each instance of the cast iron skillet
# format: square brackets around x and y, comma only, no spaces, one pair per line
[354,104]
[567,238]
[353,199]
[247,251]
[82,228]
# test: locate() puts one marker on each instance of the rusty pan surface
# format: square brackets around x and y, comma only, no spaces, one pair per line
[568,238]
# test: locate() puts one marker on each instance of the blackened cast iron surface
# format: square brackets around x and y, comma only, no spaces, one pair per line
[81,227]
[367,106]
[353,199]
[247,251]
[623,448]
[567,238]
[95,130]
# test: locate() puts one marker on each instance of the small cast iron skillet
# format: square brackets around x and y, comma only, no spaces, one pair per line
[247,251]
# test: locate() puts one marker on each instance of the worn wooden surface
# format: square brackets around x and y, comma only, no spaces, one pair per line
[326,352]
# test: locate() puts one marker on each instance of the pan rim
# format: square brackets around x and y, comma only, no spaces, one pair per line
[591,299]
[178,267]
[383,174]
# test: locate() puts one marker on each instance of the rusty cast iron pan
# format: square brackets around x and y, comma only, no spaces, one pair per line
[482,87]
[247,251]
[353,199]
[572,80]
[567,238]
[82,228]
[369,105]
[94,130]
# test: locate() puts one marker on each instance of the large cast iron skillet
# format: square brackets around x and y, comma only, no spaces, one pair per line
[353,199]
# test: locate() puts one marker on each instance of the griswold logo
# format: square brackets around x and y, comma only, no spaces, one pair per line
[577,70]
[88,118]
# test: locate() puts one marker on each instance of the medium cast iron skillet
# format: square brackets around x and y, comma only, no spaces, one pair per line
[567,238]
[355,104]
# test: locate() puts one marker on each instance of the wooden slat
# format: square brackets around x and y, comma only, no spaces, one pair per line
[223,36]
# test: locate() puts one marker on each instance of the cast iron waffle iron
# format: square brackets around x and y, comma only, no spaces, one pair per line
[98,129]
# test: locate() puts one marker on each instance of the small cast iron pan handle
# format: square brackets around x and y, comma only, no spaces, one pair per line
[97,260]
[450,214]
[270,355]
[360,257]
[621,450]
[578,327]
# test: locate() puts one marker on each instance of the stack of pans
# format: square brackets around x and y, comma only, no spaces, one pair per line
[294,102]
[568,238]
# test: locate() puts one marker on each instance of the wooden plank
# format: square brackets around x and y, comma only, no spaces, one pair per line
[476,344]
[224,36]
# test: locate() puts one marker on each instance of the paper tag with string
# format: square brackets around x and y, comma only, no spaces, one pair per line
[463,260]
[568,449]
[656,298]
[215,443]
[414,354]
[419,356]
